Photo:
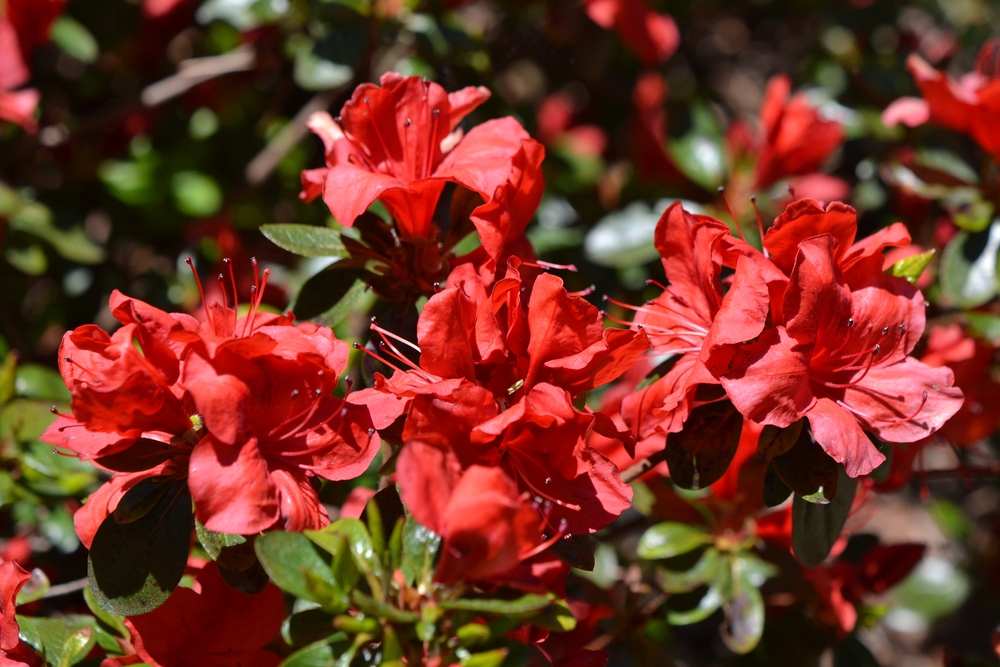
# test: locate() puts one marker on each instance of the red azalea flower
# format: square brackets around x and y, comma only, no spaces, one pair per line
[839,358]
[796,141]
[211,625]
[970,105]
[33,19]
[650,36]
[399,143]
[842,585]
[691,317]
[971,360]
[13,652]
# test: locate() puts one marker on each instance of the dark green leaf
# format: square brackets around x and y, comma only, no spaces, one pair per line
[669,539]
[144,454]
[308,626]
[321,292]
[700,454]
[775,490]
[113,621]
[306,240]
[141,498]
[577,551]
[240,568]
[54,637]
[133,567]
[882,472]
[8,375]
[808,470]
[378,609]
[776,441]
[852,653]
[319,654]
[351,302]
[816,527]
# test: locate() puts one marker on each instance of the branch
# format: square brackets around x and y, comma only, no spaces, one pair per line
[66,589]
[195,71]
[642,467]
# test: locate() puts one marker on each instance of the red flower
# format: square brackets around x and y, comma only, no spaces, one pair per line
[796,141]
[970,359]
[842,585]
[840,359]
[486,527]
[13,652]
[211,625]
[691,317]
[266,401]
[970,105]
[24,25]
[399,143]
[650,36]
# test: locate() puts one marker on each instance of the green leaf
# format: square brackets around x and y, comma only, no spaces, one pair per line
[968,271]
[34,588]
[287,558]
[324,290]
[775,489]
[985,326]
[420,547]
[701,158]
[8,375]
[73,38]
[708,605]
[196,194]
[40,382]
[314,72]
[492,658]
[815,528]
[744,624]
[59,639]
[76,647]
[360,545]
[884,469]
[852,653]
[133,567]
[577,551]
[912,267]
[700,454]
[306,240]
[319,654]
[669,539]
[113,621]
[703,572]
[214,542]
[523,605]
[377,609]
[308,626]
[351,302]
[625,238]
[30,260]
[141,498]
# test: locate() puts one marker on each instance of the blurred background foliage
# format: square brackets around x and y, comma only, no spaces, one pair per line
[175,129]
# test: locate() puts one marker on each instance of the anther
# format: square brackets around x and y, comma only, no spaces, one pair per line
[876,349]
[295,393]
[885,330]
[408,122]
[850,322]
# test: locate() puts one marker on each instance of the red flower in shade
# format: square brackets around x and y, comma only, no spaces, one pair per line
[24,25]
[970,359]
[795,141]
[211,625]
[839,358]
[691,317]
[479,513]
[399,143]
[970,105]
[13,652]
[842,585]
[650,36]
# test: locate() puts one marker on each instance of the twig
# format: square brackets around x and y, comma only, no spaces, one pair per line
[984,471]
[264,163]
[642,467]
[66,589]
[194,71]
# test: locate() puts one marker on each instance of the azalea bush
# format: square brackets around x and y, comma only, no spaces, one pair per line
[482,333]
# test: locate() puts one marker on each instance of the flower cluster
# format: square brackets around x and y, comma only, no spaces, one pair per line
[810,327]
[242,409]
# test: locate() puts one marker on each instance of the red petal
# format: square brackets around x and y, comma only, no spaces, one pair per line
[232,487]
[838,433]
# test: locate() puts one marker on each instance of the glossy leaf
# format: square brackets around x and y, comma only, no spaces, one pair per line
[523,605]
[287,558]
[420,547]
[808,470]
[912,267]
[669,539]
[306,240]
[968,273]
[703,572]
[214,542]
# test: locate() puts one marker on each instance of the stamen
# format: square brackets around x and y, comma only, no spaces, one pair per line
[385,332]
[371,354]
[852,383]
[431,143]
[232,280]
[93,378]
[539,264]
[656,283]
[517,466]
[222,286]
[760,226]
[54,410]
[725,200]
[584,292]
[903,420]
[201,292]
